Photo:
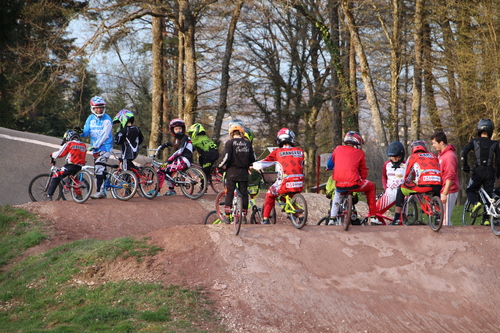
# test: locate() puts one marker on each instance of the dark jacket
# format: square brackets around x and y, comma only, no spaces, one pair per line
[237,157]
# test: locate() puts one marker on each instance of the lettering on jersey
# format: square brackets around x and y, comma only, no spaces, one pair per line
[294,153]
[431,179]
[294,184]
[241,146]
[429,155]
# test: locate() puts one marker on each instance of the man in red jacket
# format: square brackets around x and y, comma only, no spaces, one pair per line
[448,164]
[350,172]
[422,175]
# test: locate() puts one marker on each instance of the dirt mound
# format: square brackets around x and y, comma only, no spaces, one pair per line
[318,279]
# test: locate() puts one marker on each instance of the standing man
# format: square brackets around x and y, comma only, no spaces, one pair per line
[98,127]
[448,164]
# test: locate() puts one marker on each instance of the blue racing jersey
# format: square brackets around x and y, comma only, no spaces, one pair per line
[99,131]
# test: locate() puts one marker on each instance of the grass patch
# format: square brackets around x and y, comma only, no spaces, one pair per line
[40,293]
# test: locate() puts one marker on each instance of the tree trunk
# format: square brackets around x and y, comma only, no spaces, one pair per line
[157,82]
[225,73]
[416,104]
[428,81]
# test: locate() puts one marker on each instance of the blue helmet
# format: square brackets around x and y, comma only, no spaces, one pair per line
[95,102]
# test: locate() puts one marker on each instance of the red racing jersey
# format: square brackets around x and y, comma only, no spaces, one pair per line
[422,169]
[75,152]
[349,167]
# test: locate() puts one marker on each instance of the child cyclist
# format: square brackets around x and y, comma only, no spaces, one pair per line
[207,150]
[393,173]
[237,157]
[75,152]
[129,137]
[486,163]
[422,175]
[350,172]
[181,159]
[289,161]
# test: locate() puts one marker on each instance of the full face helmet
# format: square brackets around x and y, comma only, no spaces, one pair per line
[485,125]
[123,117]
[285,135]
[249,134]
[418,145]
[177,123]
[95,102]
[354,138]
[69,136]
[196,129]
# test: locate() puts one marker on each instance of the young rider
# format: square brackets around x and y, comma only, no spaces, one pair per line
[182,157]
[289,161]
[237,157]
[98,127]
[350,172]
[207,150]
[486,162]
[75,152]
[422,175]
[393,173]
[129,137]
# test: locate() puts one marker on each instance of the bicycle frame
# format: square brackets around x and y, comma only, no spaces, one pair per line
[432,207]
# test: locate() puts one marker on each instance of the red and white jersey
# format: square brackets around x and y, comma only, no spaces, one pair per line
[75,152]
[423,169]
[289,163]
[393,177]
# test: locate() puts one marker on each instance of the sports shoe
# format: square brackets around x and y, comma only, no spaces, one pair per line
[226,220]
[332,221]
[476,207]
[151,192]
[375,221]
[265,221]
[170,192]
[48,197]
[395,223]
[244,220]
[78,196]
[98,195]
[487,223]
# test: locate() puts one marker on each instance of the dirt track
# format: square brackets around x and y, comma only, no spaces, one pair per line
[318,279]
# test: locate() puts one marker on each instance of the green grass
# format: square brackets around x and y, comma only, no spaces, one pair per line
[45,292]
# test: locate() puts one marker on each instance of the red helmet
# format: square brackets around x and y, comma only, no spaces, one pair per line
[354,138]
[285,135]
[418,145]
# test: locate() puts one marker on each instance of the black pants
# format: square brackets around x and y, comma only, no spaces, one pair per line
[242,186]
[484,176]
[68,169]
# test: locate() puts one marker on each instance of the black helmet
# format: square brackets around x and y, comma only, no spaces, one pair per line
[396,149]
[485,125]
[70,135]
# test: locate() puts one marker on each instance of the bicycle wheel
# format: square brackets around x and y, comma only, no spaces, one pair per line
[81,186]
[148,182]
[216,180]
[237,214]
[409,213]
[124,185]
[38,187]
[324,221]
[495,218]
[194,182]
[256,217]
[345,211]
[272,216]
[436,217]
[220,201]
[470,218]
[212,218]
[299,216]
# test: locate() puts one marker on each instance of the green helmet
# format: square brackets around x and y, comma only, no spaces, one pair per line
[249,134]
[123,117]
[196,129]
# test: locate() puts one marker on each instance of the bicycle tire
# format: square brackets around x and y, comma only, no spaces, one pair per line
[346,208]
[237,215]
[124,185]
[148,182]
[256,216]
[38,187]
[470,218]
[84,186]
[324,220]
[272,216]
[436,217]
[409,212]
[495,221]
[299,218]
[216,181]
[212,218]
[220,201]
[195,182]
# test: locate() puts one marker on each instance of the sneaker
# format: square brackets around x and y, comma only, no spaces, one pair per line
[332,221]
[170,192]
[48,198]
[244,220]
[98,195]
[395,223]
[375,221]
[151,192]
[226,220]
[487,223]
[476,207]
[78,197]
[265,221]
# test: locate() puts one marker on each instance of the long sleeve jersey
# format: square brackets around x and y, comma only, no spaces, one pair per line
[349,167]
[75,152]
[99,130]
[129,137]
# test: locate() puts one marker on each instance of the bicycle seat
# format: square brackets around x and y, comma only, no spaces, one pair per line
[113,166]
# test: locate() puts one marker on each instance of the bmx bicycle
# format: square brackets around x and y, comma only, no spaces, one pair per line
[488,211]
[418,204]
